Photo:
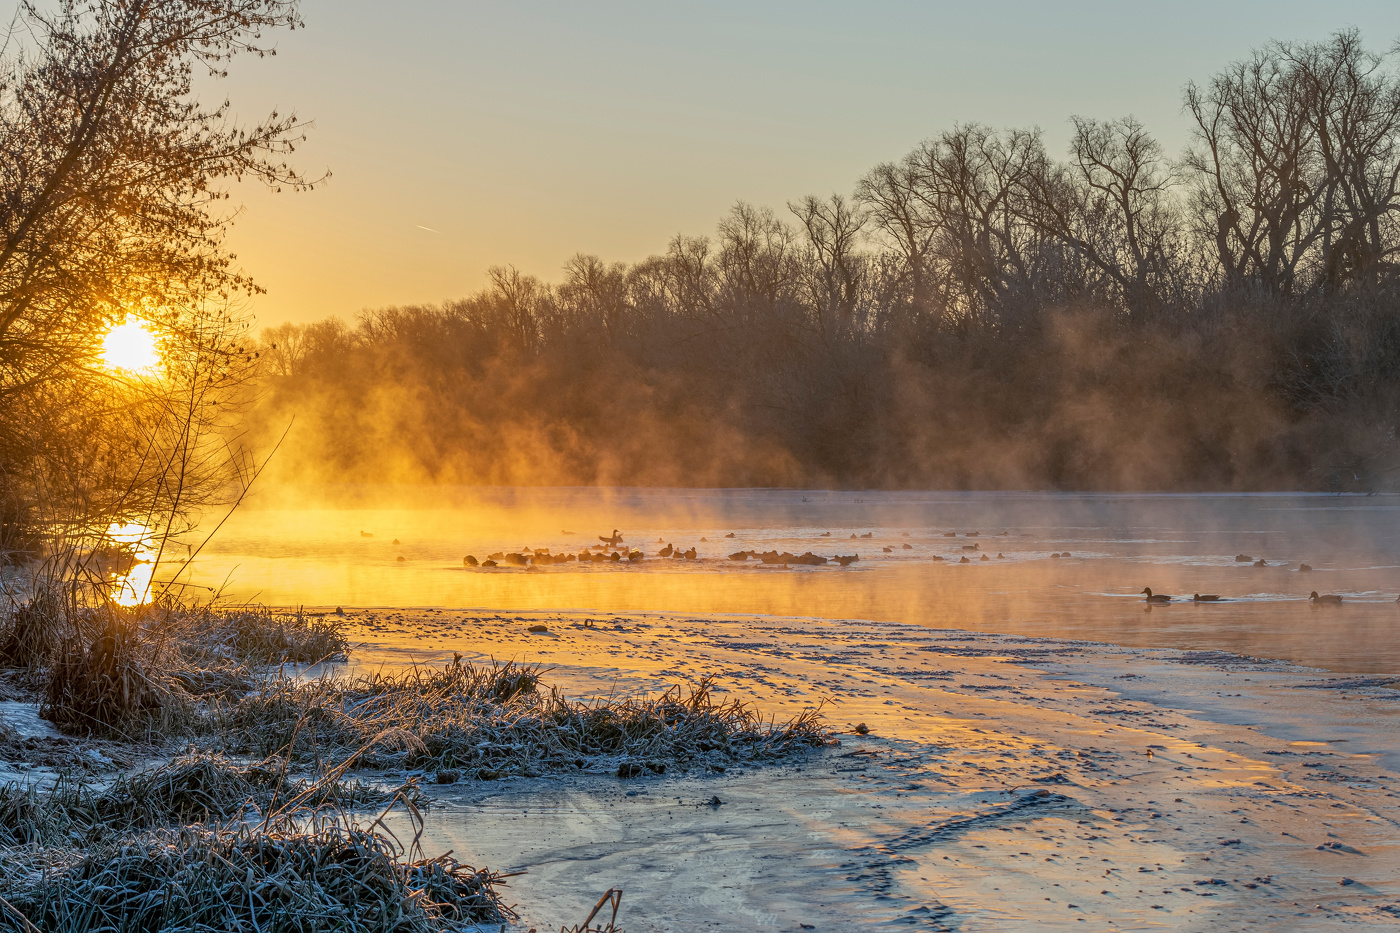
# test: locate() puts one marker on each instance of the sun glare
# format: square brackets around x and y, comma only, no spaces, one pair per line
[130,347]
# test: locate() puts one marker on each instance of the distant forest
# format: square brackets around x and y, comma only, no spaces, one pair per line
[979,314]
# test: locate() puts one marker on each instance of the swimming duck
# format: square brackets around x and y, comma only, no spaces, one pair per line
[888,550]
[1261,562]
[612,540]
[666,551]
[1159,598]
[690,554]
[366,534]
[1304,568]
[846,561]
[1198,598]
[469,561]
[1330,598]
[730,535]
[907,547]
[964,560]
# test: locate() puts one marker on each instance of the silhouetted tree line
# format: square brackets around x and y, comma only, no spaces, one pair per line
[979,314]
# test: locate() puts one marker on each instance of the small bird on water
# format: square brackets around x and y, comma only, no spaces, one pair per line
[1158,598]
[1330,598]
[1198,598]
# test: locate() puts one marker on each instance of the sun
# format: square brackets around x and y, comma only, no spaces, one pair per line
[130,347]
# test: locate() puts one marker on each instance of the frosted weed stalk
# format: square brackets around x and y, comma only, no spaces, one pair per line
[489,721]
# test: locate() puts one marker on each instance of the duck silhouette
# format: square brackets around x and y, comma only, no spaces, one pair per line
[1327,598]
[613,540]
[1157,598]
[1210,598]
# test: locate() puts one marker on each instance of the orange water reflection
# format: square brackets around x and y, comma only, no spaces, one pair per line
[322,557]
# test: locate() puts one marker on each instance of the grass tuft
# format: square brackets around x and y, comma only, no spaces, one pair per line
[195,788]
[327,875]
[494,720]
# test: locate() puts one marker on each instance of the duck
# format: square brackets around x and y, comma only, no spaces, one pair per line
[888,550]
[612,540]
[666,551]
[366,534]
[1261,562]
[846,561]
[1198,598]
[730,535]
[1157,598]
[1329,598]
[690,554]
[1304,568]
[469,561]
[964,560]
[907,547]
[1243,559]
[488,563]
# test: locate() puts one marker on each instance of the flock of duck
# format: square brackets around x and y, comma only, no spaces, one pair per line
[610,550]
[1317,599]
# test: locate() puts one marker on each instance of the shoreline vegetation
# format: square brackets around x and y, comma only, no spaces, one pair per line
[199,825]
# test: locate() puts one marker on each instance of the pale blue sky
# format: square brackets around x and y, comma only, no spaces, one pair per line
[523,132]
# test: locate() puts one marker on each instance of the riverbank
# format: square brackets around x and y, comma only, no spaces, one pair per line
[1000,781]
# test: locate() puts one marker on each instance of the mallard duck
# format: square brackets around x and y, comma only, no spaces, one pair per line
[1261,562]
[612,540]
[1330,598]
[1158,598]
[469,561]
[1198,598]
[1304,568]
[666,551]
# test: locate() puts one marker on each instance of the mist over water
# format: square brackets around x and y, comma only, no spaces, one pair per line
[332,547]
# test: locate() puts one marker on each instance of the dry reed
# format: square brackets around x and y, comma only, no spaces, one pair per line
[495,720]
[322,875]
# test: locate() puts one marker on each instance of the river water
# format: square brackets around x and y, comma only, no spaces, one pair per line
[326,548]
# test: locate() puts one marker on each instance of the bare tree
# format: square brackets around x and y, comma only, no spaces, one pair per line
[833,229]
[1113,204]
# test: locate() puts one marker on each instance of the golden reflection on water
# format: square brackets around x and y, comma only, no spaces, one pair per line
[351,557]
[133,587]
